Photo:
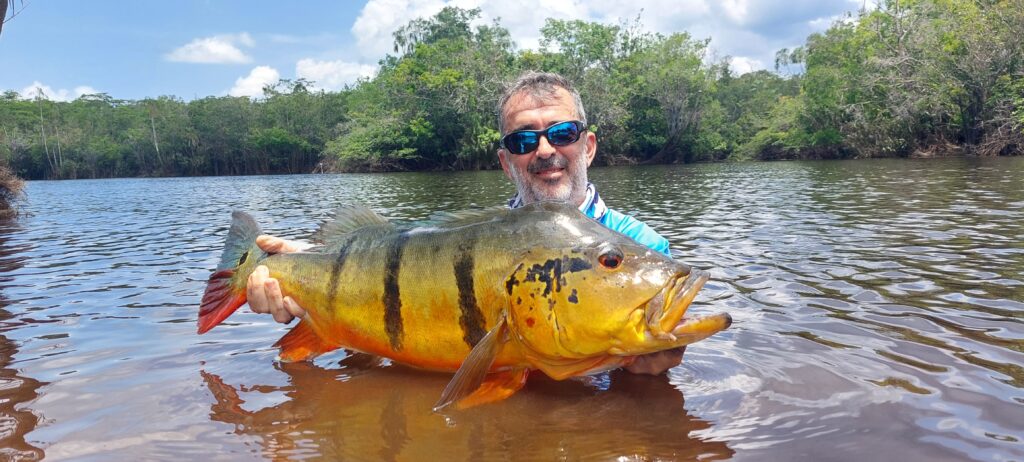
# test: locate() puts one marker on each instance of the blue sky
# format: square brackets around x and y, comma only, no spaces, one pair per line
[141,48]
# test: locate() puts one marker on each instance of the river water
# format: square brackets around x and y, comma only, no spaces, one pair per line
[878,307]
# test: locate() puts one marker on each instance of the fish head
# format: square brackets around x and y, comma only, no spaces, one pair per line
[604,295]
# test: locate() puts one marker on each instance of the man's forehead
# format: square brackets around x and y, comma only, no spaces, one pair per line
[519,103]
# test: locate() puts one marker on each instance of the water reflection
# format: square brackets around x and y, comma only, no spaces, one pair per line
[375,413]
[15,389]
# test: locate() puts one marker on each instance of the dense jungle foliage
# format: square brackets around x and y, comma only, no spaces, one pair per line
[909,78]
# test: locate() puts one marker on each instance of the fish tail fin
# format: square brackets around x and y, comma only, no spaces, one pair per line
[225,290]
[302,343]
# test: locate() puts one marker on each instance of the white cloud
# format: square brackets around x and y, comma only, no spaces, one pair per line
[219,49]
[62,94]
[332,75]
[742,65]
[252,84]
[380,18]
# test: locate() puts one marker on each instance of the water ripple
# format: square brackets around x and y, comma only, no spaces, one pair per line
[876,304]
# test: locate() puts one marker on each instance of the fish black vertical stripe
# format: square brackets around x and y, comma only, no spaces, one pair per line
[392,297]
[336,267]
[471,320]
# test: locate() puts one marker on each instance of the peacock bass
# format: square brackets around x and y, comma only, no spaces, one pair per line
[490,295]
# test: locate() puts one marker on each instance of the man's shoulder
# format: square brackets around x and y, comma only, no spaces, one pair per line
[635,229]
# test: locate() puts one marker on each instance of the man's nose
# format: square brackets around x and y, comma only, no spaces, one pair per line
[545,149]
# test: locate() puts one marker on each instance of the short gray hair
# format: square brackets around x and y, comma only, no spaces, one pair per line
[539,85]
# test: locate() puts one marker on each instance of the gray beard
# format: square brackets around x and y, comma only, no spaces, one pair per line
[574,194]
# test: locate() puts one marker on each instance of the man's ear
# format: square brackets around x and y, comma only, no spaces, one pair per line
[591,147]
[503,159]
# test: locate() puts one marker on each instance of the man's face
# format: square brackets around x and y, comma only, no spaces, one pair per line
[549,172]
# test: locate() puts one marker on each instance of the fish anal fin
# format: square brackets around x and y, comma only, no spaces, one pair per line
[496,387]
[474,368]
[302,344]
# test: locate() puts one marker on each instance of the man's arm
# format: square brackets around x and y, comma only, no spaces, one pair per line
[636,230]
[657,363]
[264,292]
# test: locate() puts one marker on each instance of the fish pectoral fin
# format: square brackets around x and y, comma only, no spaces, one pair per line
[474,369]
[495,387]
[302,343]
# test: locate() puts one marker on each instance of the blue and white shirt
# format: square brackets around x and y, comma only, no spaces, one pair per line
[594,208]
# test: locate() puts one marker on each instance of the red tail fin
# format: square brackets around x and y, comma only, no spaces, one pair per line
[220,299]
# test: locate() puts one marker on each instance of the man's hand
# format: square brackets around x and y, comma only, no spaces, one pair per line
[263,292]
[657,363]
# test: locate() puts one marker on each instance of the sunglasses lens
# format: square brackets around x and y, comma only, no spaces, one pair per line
[560,134]
[522,142]
[563,134]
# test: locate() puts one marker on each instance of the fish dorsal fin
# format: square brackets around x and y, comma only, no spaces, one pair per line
[241,238]
[466,217]
[474,369]
[347,219]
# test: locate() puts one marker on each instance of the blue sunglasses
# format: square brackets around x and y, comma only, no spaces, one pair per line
[559,134]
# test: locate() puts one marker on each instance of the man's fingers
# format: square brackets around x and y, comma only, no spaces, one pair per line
[293,308]
[255,292]
[276,302]
[656,363]
[272,244]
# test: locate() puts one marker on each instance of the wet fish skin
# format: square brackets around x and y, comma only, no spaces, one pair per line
[537,278]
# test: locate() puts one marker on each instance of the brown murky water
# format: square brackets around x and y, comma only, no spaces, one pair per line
[878,306]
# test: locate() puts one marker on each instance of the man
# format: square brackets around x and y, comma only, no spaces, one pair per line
[545,150]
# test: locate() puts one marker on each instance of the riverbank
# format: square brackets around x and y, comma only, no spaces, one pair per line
[12,191]
[845,93]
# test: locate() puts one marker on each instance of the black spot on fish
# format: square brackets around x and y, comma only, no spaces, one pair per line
[471,320]
[572,297]
[551,304]
[578,264]
[510,283]
[552,272]
[392,299]
[519,300]
[548,273]
[244,256]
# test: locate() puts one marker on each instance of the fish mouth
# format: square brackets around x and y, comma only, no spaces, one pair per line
[665,312]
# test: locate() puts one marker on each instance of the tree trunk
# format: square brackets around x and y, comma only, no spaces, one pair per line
[42,133]
[3,13]
[60,154]
[156,144]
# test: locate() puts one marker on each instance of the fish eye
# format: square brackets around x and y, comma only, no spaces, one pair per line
[610,258]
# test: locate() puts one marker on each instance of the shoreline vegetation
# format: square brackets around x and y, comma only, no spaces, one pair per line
[908,79]
[12,191]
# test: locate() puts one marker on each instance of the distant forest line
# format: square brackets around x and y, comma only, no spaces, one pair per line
[909,78]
